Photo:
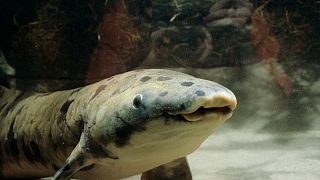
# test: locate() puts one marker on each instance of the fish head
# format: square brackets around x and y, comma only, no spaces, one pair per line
[175,96]
[162,113]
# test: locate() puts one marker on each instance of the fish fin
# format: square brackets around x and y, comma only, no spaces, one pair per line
[75,162]
[177,169]
[82,158]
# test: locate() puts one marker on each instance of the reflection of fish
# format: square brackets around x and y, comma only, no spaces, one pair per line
[115,128]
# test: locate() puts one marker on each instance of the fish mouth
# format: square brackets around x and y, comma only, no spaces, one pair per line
[202,112]
[209,108]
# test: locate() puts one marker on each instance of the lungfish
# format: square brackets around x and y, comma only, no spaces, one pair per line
[118,127]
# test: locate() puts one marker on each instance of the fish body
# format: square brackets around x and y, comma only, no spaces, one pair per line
[118,127]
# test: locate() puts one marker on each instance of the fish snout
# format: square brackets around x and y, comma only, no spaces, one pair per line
[216,102]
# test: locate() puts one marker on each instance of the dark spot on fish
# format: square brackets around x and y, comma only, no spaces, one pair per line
[27,152]
[164,78]
[64,108]
[12,142]
[162,94]
[80,125]
[62,118]
[19,111]
[37,153]
[3,105]
[145,78]
[53,144]
[87,168]
[187,84]
[35,148]
[99,152]
[200,93]
[55,167]
[98,91]
[124,131]
[11,105]
[95,149]
[122,135]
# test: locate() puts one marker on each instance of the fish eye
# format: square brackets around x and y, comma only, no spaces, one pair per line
[137,101]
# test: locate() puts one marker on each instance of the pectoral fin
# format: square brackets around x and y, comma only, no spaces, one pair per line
[177,169]
[76,161]
[83,158]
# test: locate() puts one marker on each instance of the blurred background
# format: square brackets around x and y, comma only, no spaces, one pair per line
[265,51]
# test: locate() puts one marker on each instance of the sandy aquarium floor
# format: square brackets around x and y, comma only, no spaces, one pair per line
[270,136]
[259,156]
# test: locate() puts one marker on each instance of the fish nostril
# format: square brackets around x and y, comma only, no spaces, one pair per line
[137,101]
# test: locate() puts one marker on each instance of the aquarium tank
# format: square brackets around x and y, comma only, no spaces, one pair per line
[136,89]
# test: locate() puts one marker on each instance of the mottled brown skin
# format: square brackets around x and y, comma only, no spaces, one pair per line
[102,127]
[33,144]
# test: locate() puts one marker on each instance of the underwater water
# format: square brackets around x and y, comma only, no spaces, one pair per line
[265,52]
